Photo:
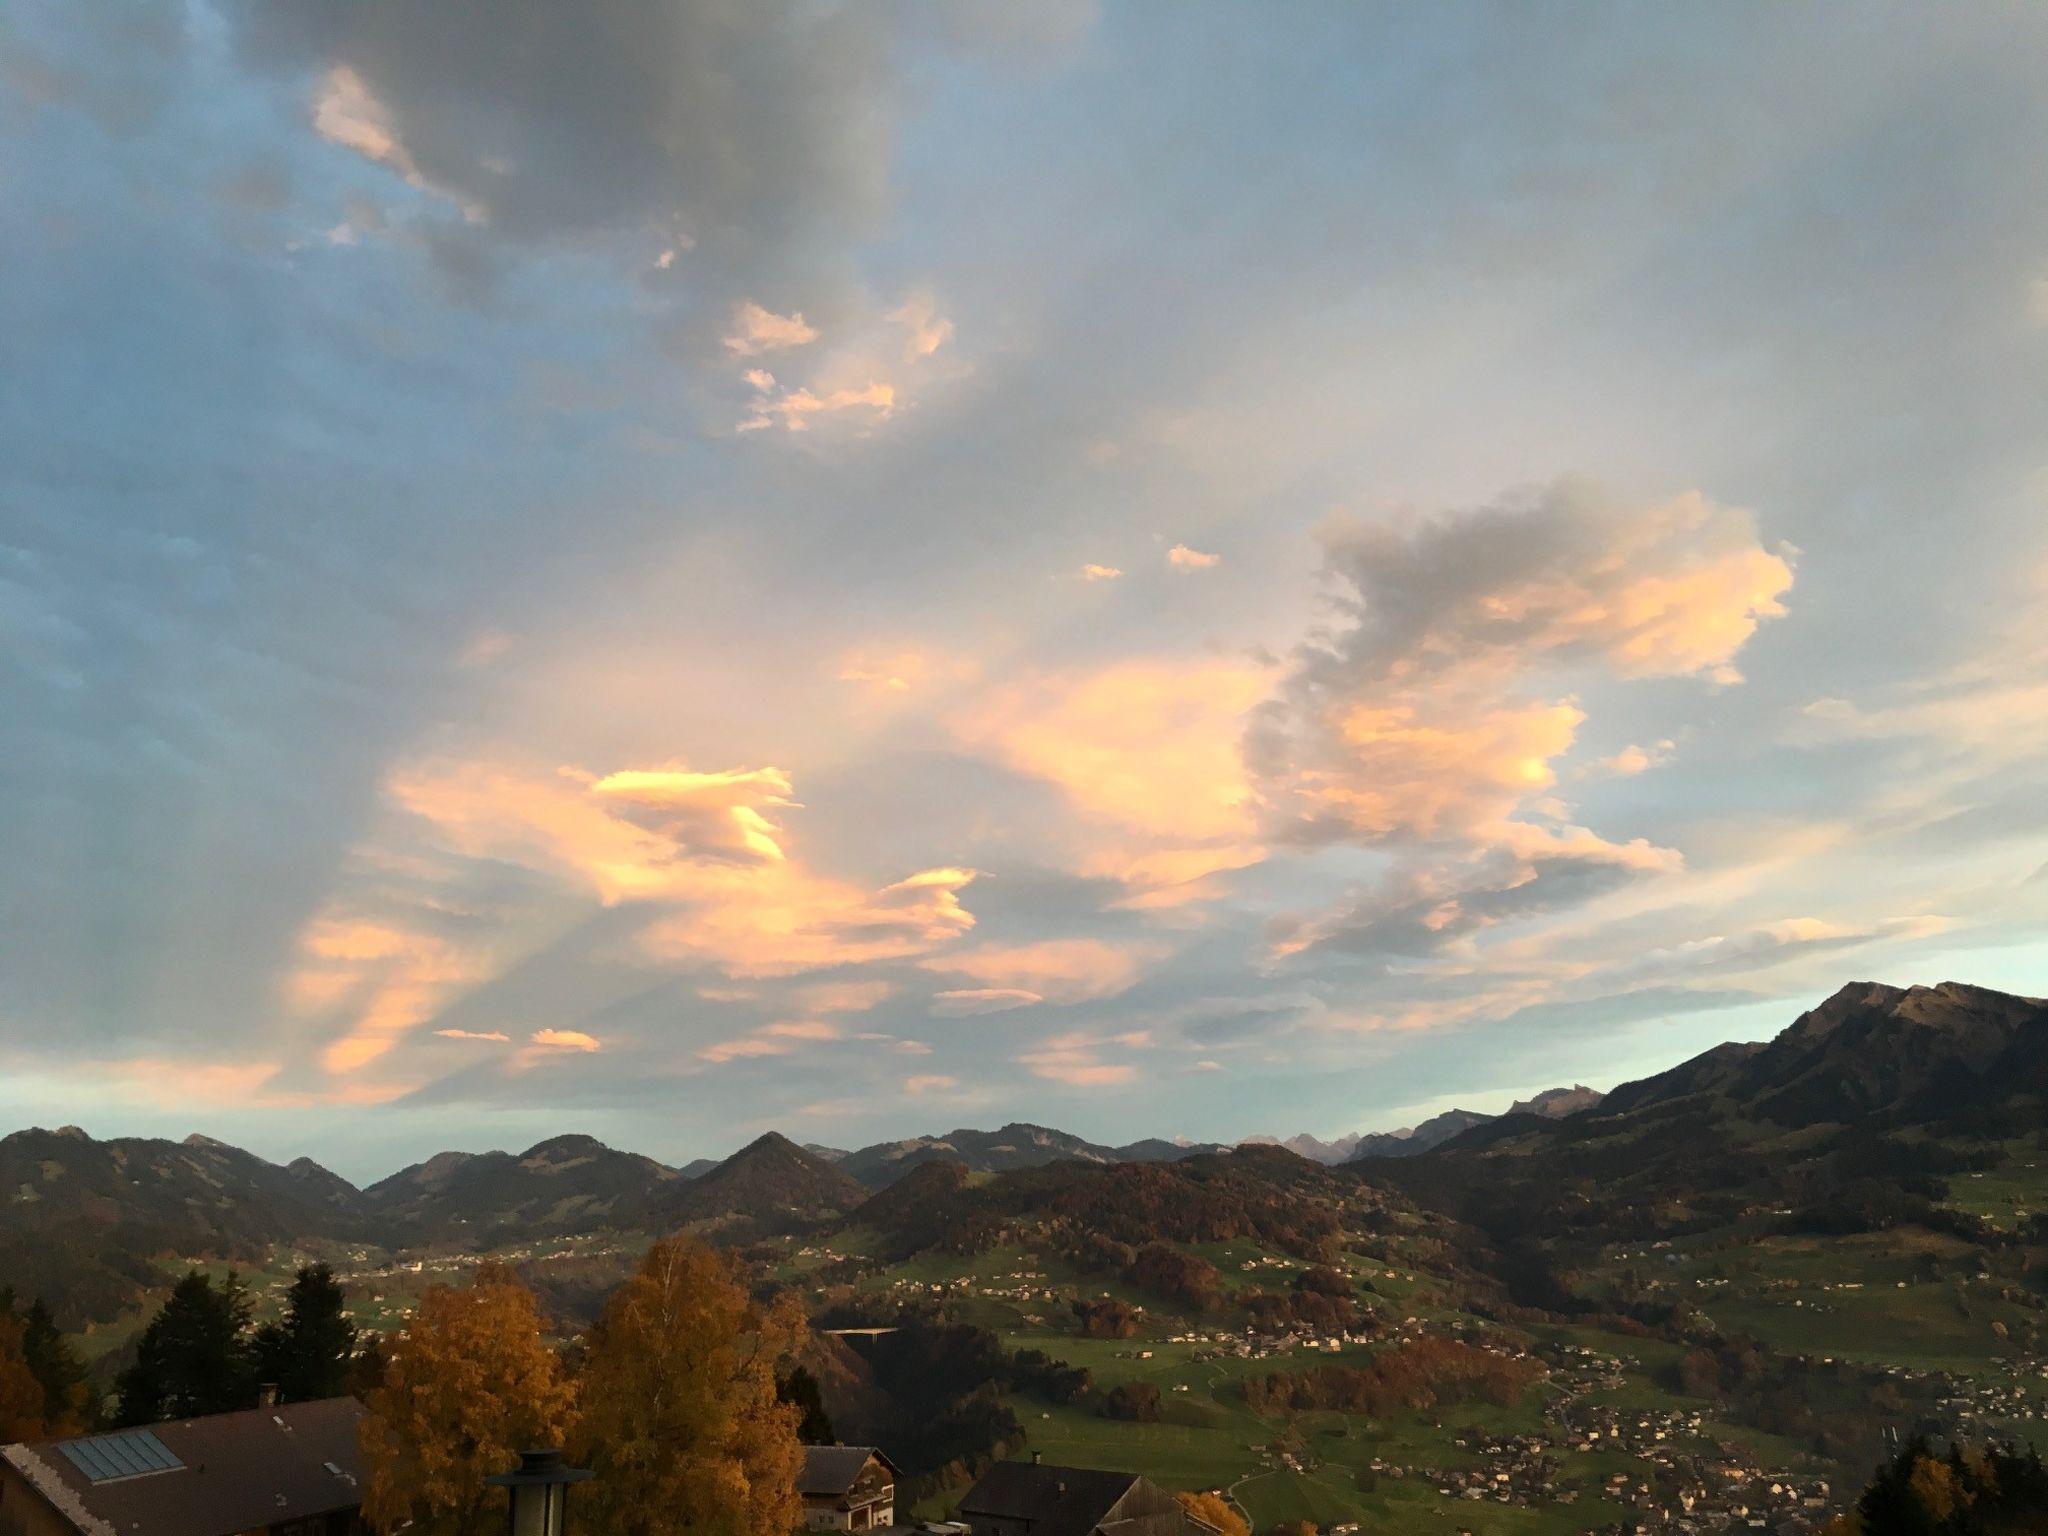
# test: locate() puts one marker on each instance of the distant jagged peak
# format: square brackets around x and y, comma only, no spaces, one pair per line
[1312,1147]
[1556,1103]
[209,1143]
[1847,1002]
[1953,1001]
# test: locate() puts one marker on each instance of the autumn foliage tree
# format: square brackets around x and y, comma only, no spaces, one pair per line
[1177,1275]
[30,1341]
[1421,1374]
[466,1388]
[21,1395]
[682,1423]
[1994,1490]
[1213,1509]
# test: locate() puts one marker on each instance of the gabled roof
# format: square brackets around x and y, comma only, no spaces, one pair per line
[829,1470]
[209,1476]
[1058,1501]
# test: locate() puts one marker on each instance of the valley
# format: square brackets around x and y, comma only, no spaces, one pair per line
[1713,1296]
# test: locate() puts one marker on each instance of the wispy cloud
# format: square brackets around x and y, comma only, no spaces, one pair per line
[1079,1061]
[756,331]
[963,1002]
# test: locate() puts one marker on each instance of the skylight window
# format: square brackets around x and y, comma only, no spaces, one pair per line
[131,1453]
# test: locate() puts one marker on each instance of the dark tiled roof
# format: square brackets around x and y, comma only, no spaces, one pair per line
[237,1472]
[829,1470]
[1058,1501]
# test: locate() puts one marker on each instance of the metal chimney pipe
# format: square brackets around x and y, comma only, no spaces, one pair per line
[539,1490]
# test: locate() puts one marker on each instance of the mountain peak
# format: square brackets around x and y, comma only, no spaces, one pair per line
[570,1147]
[770,1141]
[1556,1103]
[1845,1003]
[770,1179]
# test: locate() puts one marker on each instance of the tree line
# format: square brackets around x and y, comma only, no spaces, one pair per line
[683,1396]
[202,1354]
[1420,1374]
[674,1398]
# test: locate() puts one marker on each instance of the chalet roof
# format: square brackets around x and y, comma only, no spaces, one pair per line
[211,1476]
[1058,1501]
[830,1470]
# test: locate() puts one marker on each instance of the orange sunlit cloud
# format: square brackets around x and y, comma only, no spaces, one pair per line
[697,849]
[699,843]
[388,980]
[842,996]
[563,1040]
[756,330]
[1418,722]
[1059,970]
[1147,750]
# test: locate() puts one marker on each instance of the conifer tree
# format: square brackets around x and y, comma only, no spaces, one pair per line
[67,1406]
[194,1357]
[307,1354]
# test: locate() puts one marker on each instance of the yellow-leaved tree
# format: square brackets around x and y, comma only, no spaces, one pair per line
[1214,1509]
[681,1422]
[467,1387]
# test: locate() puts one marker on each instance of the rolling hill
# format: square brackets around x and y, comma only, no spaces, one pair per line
[84,1220]
[771,1182]
[565,1184]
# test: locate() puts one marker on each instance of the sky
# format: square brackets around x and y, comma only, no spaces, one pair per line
[671,570]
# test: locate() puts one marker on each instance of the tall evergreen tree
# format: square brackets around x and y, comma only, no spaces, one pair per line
[307,1354]
[67,1405]
[194,1357]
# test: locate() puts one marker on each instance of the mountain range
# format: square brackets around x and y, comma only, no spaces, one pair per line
[1551,1104]
[1851,1120]
[86,1219]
